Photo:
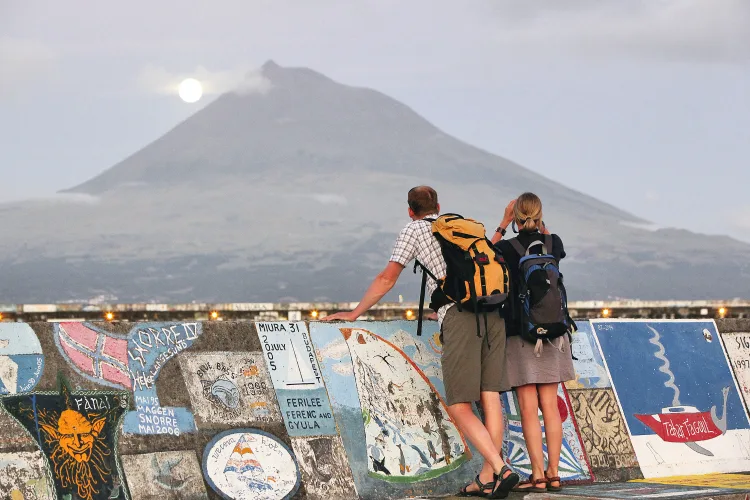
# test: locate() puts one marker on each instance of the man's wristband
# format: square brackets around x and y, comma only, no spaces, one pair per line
[500,230]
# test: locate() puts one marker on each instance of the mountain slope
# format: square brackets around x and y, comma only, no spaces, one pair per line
[298,193]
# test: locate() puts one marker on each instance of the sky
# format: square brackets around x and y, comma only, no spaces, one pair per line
[644,104]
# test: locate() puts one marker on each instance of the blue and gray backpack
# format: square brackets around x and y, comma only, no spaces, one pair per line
[544,302]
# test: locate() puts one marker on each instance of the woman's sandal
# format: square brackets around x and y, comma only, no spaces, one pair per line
[533,488]
[553,479]
[481,492]
[504,484]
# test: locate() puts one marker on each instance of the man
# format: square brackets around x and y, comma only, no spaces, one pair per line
[472,365]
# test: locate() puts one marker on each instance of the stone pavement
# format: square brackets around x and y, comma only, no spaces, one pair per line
[708,486]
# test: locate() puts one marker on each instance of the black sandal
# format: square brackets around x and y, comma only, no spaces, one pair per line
[481,492]
[504,485]
[533,488]
[553,479]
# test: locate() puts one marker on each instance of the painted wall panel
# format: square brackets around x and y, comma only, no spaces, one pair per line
[573,461]
[77,431]
[249,464]
[379,374]
[589,365]
[678,395]
[604,435]
[325,468]
[738,349]
[150,347]
[21,358]
[23,476]
[170,475]
[229,388]
[297,378]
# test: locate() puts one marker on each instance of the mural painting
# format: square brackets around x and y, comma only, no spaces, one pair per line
[21,358]
[604,435]
[573,461]
[387,392]
[96,354]
[77,432]
[407,427]
[293,366]
[150,347]
[325,468]
[738,350]
[170,475]
[588,362]
[249,464]
[681,420]
[23,476]
[229,388]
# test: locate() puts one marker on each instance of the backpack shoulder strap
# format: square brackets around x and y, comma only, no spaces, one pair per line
[518,247]
[421,302]
[548,243]
[424,270]
[448,217]
[534,244]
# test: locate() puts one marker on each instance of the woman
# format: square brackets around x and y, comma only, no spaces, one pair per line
[535,377]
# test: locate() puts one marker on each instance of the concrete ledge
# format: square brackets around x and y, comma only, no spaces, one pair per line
[334,410]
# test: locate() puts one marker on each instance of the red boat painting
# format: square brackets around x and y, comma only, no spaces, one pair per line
[686,424]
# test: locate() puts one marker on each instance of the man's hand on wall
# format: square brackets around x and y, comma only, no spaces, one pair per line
[341,316]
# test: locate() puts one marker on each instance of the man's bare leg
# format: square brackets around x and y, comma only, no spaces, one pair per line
[486,439]
[493,422]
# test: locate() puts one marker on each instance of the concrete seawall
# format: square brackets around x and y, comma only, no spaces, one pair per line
[192,410]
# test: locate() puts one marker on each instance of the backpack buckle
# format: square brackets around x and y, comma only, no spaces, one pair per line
[482,259]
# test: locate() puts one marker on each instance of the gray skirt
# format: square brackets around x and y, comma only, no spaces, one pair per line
[522,367]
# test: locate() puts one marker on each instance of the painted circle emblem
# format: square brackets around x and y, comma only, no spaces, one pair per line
[249,464]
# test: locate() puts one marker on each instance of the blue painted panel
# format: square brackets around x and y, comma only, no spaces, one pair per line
[150,346]
[658,365]
[297,378]
[21,358]
[589,366]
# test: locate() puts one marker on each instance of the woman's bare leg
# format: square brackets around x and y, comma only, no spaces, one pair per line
[552,426]
[528,401]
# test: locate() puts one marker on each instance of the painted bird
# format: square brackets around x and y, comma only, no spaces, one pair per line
[379,466]
[164,477]
[432,450]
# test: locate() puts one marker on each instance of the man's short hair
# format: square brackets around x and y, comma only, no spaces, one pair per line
[423,200]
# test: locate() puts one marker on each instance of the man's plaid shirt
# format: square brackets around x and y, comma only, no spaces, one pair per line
[417,241]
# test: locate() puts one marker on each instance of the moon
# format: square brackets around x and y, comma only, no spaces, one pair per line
[190,90]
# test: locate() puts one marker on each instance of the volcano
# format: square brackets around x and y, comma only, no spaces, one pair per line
[297,192]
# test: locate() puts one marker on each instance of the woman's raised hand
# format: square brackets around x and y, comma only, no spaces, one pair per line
[508,215]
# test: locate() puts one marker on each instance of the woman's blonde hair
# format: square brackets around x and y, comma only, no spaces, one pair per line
[528,212]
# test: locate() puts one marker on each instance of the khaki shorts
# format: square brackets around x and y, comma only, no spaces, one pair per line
[469,365]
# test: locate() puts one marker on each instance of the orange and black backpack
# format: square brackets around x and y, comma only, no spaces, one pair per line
[476,277]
